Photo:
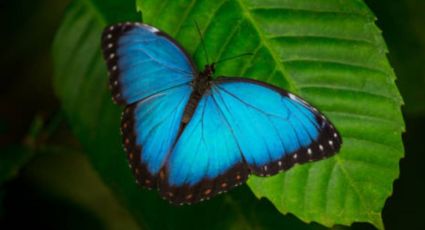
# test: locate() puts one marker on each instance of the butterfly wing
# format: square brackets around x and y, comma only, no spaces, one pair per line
[244,126]
[150,74]
[150,128]
[143,61]
[206,160]
[274,129]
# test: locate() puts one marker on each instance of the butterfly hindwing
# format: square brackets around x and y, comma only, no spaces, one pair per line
[206,159]
[150,128]
[143,61]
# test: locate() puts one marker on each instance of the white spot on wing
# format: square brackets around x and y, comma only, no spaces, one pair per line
[295,98]
[151,29]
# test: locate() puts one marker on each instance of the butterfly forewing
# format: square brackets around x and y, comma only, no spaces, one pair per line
[275,129]
[142,61]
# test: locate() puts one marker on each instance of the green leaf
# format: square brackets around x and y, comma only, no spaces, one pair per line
[329,52]
[332,54]
[407,52]
[81,84]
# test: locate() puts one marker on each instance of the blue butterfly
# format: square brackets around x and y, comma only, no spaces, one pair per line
[192,137]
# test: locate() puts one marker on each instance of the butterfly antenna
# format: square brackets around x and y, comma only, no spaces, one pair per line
[202,41]
[233,57]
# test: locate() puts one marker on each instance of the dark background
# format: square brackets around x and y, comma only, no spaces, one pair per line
[41,192]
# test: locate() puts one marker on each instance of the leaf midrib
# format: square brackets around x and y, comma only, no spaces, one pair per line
[374,216]
[263,39]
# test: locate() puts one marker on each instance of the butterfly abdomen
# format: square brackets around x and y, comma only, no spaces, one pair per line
[191,106]
[199,85]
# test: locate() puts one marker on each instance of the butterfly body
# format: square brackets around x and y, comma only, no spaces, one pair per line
[191,136]
[200,84]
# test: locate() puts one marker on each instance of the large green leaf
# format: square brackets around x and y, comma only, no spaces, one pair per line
[332,54]
[329,52]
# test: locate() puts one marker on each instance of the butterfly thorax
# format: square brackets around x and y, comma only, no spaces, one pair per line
[208,71]
[203,80]
[200,84]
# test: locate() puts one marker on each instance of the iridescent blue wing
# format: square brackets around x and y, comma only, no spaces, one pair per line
[150,128]
[143,61]
[243,126]
[206,159]
[150,74]
[275,129]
